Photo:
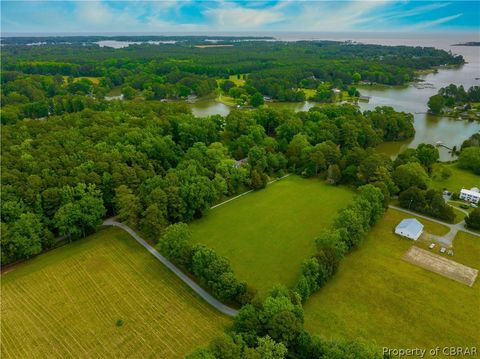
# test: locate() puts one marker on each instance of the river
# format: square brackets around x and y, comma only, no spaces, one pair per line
[429,129]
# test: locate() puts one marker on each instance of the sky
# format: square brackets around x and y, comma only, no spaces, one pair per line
[40,17]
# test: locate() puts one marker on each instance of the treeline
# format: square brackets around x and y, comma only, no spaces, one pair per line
[350,228]
[413,168]
[25,40]
[473,219]
[276,69]
[469,157]
[153,164]
[274,329]
[38,96]
[452,96]
[212,271]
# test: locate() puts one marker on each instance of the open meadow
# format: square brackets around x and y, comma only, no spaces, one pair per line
[267,234]
[378,296]
[103,296]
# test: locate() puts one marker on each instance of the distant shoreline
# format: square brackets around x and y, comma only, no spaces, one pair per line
[469,43]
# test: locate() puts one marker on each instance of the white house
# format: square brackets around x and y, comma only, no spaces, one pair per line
[410,228]
[470,195]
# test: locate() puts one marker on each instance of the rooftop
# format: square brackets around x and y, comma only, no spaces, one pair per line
[473,191]
[411,224]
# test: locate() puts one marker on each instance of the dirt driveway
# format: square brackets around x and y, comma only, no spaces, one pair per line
[441,265]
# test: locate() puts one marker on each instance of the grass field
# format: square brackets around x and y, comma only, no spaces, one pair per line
[267,234]
[377,296]
[458,180]
[95,80]
[467,250]
[66,304]
[237,81]
[227,100]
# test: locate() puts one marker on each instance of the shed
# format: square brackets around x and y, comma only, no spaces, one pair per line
[410,228]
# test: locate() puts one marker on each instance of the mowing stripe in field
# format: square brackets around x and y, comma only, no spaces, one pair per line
[175,270]
[65,304]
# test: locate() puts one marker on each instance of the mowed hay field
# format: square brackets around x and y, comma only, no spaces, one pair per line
[267,234]
[66,304]
[379,297]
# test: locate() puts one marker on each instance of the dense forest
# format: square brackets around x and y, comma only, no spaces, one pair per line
[154,163]
[67,76]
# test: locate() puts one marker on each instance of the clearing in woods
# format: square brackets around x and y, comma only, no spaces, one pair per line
[103,296]
[267,234]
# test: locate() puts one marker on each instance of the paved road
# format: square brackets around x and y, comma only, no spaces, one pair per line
[199,290]
[447,239]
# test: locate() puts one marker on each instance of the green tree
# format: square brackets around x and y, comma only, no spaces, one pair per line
[333,174]
[154,221]
[351,225]
[21,238]
[224,347]
[226,85]
[413,198]
[258,179]
[269,349]
[473,219]
[248,323]
[356,77]
[427,154]
[409,175]
[129,92]
[436,103]
[201,353]
[284,327]
[81,212]
[175,244]
[313,159]
[470,159]
[256,100]
[128,205]
[375,198]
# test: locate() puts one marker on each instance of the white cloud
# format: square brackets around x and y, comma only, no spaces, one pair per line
[433,23]
[231,16]
[223,15]
[93,12]
[334,16]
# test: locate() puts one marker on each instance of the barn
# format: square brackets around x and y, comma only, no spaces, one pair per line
[410,228]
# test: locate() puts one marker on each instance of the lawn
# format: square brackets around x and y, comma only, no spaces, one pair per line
[268,233]
[237,81]
[459,215]
[95,80]
[458,180]
[227,100]
[467,250]
[377,296]
[66,303]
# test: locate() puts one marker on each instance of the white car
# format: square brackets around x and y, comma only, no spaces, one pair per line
[443,249]
[431,246]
